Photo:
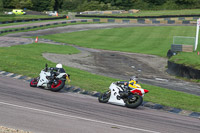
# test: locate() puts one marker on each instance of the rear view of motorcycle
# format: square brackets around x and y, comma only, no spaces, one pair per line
[117,94]
[51,78]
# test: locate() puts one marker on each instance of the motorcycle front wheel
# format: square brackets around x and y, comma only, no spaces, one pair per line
[134,101]
[34,82]
[104,97]
[58,87]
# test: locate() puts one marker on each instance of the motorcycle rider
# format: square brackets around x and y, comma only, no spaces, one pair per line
[133,81]
[130,85]
[56,71]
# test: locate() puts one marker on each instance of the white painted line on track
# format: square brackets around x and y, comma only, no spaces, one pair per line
[77,117]
[161,79]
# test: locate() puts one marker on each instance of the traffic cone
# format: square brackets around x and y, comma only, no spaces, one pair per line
[36,39]
[56,14]
[66,17]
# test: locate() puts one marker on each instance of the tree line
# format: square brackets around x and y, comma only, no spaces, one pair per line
[83,5]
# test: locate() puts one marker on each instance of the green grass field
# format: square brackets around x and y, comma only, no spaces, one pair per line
[27,60]
[147,40]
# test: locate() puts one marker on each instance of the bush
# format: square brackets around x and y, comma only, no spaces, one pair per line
[95,5]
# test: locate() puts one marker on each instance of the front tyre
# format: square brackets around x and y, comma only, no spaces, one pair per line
[134,101]
[104,97]
[34,82]
[58,87]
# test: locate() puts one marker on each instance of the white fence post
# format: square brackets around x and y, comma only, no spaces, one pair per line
[197,34]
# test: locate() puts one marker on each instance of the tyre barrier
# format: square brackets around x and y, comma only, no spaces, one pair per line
[182,71]
[73,89]
[146,21]
[131,21]
[163,17]
[33,27]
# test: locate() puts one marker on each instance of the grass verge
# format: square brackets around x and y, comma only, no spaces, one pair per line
[27,60]
[41,28]
[20,23]
[22,17]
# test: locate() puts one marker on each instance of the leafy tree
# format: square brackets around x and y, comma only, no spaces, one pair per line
[1,5]
[72,5]
[186,1]
[19,4]
[42,5]
[86,6]
[155,2]
[58,4]
[7,4]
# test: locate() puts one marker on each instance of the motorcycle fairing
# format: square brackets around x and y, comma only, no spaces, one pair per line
[138,91]
[114,97]
[43,81]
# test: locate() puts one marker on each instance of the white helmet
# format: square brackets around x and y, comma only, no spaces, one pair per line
[59,65]
[134,78]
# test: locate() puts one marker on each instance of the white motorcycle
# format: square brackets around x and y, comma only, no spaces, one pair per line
[50,79]
[117,94]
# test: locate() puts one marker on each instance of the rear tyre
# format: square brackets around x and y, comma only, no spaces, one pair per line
[33,83]
[104,97]
[58,87]
[134,101]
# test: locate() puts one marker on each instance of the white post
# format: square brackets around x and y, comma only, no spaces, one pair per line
[197,34]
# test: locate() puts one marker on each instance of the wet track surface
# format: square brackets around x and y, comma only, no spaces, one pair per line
[38,110]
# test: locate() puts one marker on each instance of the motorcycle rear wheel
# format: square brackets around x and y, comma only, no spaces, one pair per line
[58,87]
[104,97]
[134,101]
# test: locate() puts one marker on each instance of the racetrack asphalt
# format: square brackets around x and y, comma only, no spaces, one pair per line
[38,110]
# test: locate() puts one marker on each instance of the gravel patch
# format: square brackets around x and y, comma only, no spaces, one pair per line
[10,130]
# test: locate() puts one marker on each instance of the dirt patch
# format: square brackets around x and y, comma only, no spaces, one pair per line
[113,63]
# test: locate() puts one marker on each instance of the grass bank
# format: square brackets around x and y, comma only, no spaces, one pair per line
[27,60]
[22,17]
